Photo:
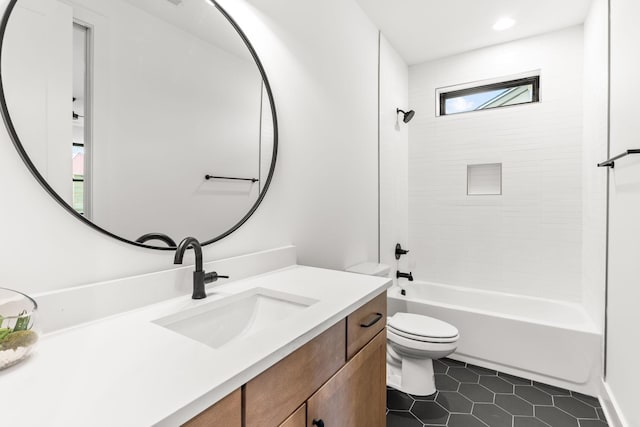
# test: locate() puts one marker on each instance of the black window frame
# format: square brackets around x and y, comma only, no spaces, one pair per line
[508,84]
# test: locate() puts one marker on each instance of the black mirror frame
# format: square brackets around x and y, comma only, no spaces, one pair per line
[25,157]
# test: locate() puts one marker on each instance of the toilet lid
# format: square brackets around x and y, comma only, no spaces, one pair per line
[421,326]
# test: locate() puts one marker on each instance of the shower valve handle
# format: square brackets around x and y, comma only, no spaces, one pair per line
[400,251]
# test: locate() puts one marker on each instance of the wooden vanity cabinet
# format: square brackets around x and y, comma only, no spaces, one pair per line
[356,395]
[297,419]
[227,413]
[338,378]
[365,323]
[276,393]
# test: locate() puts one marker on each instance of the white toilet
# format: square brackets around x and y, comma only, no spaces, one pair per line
[413,341]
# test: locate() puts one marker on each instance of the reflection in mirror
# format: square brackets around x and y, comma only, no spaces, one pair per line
[149,96]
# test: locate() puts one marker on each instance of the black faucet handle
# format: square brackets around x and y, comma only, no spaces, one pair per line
[400,251]
[212,277]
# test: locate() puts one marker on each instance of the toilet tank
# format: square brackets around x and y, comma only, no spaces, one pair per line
[370,269]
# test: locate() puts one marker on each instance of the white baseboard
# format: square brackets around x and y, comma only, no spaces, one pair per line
[611,408]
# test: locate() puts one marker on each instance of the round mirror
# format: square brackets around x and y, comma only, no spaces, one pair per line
[149,120]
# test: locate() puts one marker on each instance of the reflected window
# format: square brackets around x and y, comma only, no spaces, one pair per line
[80,120]
[485,97]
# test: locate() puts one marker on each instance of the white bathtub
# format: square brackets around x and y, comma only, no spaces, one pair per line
[548,341]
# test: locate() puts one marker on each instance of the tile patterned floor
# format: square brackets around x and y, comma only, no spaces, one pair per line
[470,396]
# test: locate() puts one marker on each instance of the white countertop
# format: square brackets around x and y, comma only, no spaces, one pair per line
[127,371]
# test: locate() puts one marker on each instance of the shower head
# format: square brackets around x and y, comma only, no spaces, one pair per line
[406,115]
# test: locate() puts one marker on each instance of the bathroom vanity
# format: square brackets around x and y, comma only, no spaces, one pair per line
[338,378]
[305,344]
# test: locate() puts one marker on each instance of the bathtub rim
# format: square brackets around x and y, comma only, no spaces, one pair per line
[587,326]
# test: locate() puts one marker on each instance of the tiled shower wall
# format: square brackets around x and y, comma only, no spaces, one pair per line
[527,240]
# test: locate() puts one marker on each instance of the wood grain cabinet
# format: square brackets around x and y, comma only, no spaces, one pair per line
[365,323]
[297,419]
[276,393]
[356,395]
[225,413]
[338,379]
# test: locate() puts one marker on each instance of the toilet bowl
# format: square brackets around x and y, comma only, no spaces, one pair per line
[413,341]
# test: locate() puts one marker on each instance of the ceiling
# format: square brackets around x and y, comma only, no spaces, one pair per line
[422,30]
[199,18]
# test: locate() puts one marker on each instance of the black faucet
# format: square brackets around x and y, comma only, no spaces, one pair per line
[404,276]
[200,277]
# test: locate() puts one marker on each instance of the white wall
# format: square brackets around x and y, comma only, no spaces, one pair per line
[394,144]
[594,180]
[41,39]
[623,315]
[186,109]
[170,109]
[528,240]
[324,193]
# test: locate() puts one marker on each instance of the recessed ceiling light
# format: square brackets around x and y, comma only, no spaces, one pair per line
[503,24]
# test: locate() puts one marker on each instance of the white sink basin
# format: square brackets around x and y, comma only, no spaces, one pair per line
[222,322]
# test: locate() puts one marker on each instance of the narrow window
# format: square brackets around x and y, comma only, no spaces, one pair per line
[495,95]
[81,120]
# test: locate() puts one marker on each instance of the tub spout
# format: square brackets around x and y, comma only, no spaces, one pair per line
[408,276]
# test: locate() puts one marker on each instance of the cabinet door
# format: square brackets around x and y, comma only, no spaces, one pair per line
[297,419]
[276,393]
[356,395]
[225,413]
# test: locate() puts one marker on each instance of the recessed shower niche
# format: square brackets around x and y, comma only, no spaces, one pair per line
[484,179]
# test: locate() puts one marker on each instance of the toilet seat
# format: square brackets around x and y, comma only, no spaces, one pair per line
[421,328]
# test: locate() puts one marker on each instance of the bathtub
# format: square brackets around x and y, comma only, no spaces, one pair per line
[545,340]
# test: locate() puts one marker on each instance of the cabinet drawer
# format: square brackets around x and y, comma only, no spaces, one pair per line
[225,413]
[365,323]
[276,393]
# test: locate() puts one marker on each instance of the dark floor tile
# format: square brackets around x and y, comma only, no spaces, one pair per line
[439,367]
[589,400]
[496,384]
[533,395]
[398,401]
[446,383]
[555,417]
[451,362]
[575,407]
[593,423]
[528,422]
[430,412]
[481,371]
[514,405]
[476,393]
[492,415]
[458,420]
[514,380]
[463,375]
[402,419]
[454,402]
[549,389]
[426,398]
